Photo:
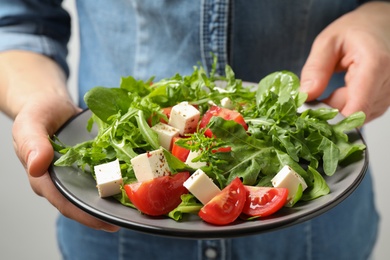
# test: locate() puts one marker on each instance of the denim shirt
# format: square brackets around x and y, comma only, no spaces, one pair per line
[147,38]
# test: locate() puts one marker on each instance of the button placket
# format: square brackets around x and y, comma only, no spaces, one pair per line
[214,33]
[213,249]
[142,60]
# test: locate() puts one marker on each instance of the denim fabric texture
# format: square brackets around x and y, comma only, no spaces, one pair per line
[37,26]
[145,38]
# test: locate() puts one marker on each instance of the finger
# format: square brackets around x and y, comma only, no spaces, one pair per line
[44,186]
[337,99]
[33,148]
[319,66]
[381,108]
[368,89]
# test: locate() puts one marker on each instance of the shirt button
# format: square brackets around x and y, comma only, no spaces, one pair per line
[211,253]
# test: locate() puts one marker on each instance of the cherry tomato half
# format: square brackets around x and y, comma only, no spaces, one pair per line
[157,196]
[178,151]
[225,113]
[225,207]
[264,201]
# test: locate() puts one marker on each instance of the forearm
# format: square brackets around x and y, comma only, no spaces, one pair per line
[25,76]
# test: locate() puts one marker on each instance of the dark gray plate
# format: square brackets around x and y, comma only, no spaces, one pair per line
[80,189]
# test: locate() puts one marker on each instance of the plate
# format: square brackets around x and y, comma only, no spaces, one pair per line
[80,188]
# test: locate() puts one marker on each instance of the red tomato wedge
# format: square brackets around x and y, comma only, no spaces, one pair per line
[226,206]
[222,150]
[264,201]
[166,111]
[178,151]
[158,196]
[225,113]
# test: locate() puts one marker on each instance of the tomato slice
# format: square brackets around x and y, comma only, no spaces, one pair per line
[226,206]
[178,151]
[158,196]
[264,201]
[225,113]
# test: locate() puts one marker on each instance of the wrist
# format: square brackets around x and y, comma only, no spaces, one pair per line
[25,76]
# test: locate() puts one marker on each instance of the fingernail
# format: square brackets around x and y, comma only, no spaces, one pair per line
[111,229]
[31,156]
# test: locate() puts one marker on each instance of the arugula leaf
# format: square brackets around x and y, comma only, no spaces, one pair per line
[321,113]
[131,85]
[124,199]
[149,135]
[188,205]
[351,122]
[319,187]
[330,157]
[175,164]
[105,102]
[284,85]
[296,198]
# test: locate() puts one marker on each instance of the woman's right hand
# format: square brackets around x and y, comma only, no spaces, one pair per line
[38,119]
[35,96]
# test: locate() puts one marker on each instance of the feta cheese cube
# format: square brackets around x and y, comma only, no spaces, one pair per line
[150,165]
[108,178]
[201,186]
[165,134]
[227,103]
[184,117]
[191,156]
[288,178]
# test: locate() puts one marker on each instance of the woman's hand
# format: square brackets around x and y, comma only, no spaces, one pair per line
[37,120]
[33,92]
[359,44]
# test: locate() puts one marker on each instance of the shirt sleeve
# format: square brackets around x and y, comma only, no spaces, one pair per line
[40,26]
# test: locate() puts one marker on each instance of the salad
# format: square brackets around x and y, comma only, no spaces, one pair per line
[210,145]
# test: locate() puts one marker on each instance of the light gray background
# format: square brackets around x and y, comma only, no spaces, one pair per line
[27,226]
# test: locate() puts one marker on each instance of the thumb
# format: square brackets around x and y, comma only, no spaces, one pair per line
[32,128]
[319,67]
[32,145]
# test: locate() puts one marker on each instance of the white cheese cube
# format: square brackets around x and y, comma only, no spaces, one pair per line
[165,134]
[184,117]
[227,103]
[191,156]
[288,178]
[201,186]
[108,178]
[211,103]
[150,165]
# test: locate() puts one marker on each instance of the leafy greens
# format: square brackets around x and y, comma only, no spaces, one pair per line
[278,132]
